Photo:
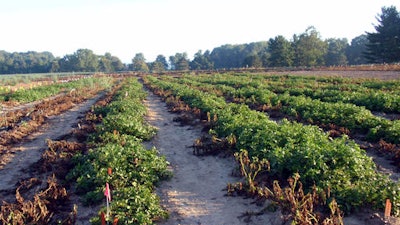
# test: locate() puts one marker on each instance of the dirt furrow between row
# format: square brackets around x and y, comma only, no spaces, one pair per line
[195,194]
[23,155]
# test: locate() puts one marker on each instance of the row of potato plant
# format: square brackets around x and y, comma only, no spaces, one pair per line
[16,124]
[386,99]
[384,96]
[85,88]
[290,147]
[373,100]
[314,111]
[41,92]
[326,82]
[118,144]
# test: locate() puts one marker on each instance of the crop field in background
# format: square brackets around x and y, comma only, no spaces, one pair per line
[300,141]
[310,129]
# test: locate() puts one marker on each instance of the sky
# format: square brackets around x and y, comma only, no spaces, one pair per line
[153,27]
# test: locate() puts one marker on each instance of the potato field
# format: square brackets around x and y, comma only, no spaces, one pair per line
[280,148]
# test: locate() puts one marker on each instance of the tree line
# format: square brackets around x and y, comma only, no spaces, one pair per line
[303,50]
[83,60]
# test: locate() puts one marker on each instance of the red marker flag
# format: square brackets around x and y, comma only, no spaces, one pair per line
[107,192]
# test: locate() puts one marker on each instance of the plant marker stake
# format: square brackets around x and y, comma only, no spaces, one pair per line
[103,218]
[108,198]
[388,208]
[115,221]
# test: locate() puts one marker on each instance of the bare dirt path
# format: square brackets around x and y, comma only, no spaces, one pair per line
[21,157]
[195,195]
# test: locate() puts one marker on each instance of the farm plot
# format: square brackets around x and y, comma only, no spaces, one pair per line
[336,117]
[338,166]
[15,124]
[31,189]
[299,168]
[113,155]
[117,144]
[258,91]
[38,90]
[196,194]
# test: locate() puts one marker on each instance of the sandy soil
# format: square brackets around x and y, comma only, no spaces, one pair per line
[30,150]
[21,157]
[195,194]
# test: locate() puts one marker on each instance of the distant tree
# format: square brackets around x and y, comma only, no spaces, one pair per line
[37,62]
[201,61]
[55,66]
[117,64]
[233,56]
[88,61]
[252,61]
[139,63]
[109,63]
[256,54]
[355,51]
[172,62]
[281,52]
[264,56]
[336,54]
[25,62]
[67,63]
[226,56]
[160,64]
[19,63]
[309,48]
[105,63]
[161,59]
[3,58]
[384,45]
[83,60]
[179,62]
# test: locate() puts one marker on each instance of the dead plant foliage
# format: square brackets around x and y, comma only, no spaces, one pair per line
[38,210]
[211,145]
[299,207]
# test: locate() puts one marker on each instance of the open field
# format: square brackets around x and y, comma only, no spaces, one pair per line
[381,75]
[229,148]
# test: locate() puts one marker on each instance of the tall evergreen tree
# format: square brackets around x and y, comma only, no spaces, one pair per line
[384,45]
[160,64]
[201,61]
[281,52]
[179,62]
